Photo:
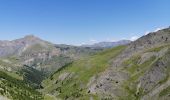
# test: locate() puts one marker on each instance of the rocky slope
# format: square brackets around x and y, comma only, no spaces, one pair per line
[142,67]
[139,70]
[70,81]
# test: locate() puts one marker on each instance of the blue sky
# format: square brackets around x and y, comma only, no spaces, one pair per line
[82,21]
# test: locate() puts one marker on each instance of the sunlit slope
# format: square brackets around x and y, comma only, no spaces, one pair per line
[71,81]
[140,72]
[148,73]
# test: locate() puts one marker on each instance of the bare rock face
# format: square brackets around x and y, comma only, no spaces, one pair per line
[157,74]
[107,83]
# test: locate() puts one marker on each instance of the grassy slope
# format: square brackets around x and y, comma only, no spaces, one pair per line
[137,70]
[5,66]
[82,70]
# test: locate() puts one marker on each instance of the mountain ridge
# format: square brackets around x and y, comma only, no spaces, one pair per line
[138,70]
[106,44]
[142,65]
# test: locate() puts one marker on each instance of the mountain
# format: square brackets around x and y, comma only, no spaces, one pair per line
[140,71]
[35,69]
[137,71]
[35,58]
[108,44]
[30,60]
[20,46]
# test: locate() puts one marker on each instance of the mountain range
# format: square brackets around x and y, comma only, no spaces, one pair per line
[108,44]
[34,69]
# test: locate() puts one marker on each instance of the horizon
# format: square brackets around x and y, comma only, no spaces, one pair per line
[31,35]
[75,22]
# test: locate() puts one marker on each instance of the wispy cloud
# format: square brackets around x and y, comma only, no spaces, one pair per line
[133,38]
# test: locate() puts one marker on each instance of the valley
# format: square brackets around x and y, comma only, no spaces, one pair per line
[39,70]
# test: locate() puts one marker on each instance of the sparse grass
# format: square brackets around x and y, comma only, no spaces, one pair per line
[136,71]
[50,97]
[157,49]
[83,70]
[14,75]
[165,79]
[6,66]
[132,64]
[134,68]
[165,92]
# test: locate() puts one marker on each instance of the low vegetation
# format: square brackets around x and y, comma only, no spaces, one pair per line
[16,89]
[80,72]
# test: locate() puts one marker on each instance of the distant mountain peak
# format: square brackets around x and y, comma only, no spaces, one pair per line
[106,44]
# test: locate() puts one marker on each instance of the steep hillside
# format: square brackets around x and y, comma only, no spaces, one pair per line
[35,59]
[15,89]
[71,81]
[139,70]
[28,51]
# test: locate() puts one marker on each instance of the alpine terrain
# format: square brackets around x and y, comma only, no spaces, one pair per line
[34,69]
[136,71]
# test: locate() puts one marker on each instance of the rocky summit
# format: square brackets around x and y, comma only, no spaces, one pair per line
[35,69]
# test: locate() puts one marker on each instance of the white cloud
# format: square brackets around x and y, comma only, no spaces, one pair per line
[133,38]
[92,41]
